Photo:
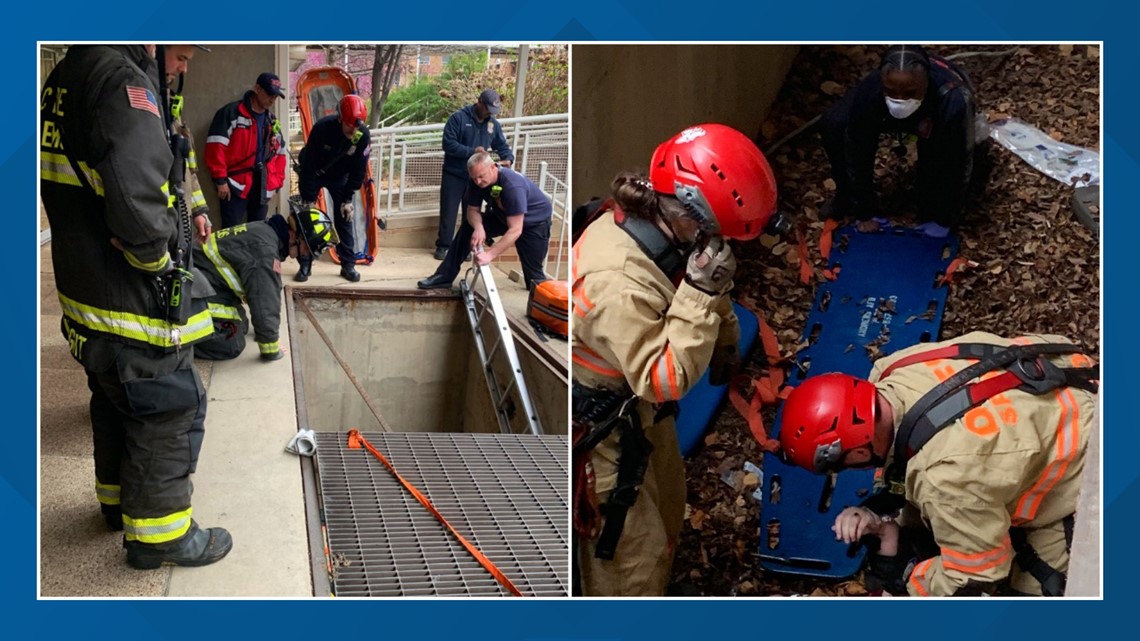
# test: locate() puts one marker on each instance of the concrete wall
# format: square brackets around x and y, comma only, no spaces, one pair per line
[627,99]
[417,361]
[222,76]
[409,355]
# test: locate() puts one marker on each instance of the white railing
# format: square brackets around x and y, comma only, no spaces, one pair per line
[559,197]
[407,161]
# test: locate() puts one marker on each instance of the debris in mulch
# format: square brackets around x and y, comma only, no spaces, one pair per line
[1035,267]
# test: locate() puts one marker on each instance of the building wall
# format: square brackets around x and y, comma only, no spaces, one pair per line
[627,99]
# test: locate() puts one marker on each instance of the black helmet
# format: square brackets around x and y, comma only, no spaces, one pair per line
[314,226]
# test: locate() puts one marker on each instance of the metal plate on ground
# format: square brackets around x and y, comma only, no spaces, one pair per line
[506,494]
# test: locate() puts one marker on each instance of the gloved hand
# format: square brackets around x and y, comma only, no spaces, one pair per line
[724,364]
[933,230]
[346,210]
[711,269]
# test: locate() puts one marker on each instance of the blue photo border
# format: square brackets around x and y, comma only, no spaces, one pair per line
[582,21]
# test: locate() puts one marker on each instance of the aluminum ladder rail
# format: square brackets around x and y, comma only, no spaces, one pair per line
[505,345]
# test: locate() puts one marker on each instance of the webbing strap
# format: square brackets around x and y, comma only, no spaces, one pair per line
[653,242]
[356,440]
[768,389]
[917,428]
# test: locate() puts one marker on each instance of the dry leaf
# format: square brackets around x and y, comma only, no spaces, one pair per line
[832,88]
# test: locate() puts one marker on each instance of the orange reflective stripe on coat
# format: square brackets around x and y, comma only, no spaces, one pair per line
[977,562]
[1068,441]
[582,302]
[918,579]
[665,377]
[590,359]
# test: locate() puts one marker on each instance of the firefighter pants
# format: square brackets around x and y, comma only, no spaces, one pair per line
[644,558]
[531,246]
[148,414]
[345,230]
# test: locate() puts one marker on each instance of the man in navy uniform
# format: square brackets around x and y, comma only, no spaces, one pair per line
[517,210]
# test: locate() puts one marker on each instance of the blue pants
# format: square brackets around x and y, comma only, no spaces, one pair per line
[451,190]
[235,210]
[531,246]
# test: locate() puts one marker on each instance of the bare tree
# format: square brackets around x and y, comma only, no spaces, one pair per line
[384,68]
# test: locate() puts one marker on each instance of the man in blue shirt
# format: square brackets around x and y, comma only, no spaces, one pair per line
[469,130]
[517,210]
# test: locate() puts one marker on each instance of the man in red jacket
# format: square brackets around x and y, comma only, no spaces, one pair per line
[245,152]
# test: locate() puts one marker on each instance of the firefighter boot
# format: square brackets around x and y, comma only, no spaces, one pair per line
[349,273]
[304,272]
[113,515]
[198,547]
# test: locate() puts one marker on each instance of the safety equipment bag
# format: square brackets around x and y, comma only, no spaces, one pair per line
[549,306]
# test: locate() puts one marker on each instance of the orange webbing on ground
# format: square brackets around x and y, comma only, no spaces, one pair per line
[357,440]
[805,262]
[825,238]
[767,389]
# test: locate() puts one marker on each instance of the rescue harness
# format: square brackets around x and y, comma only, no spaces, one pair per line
[1022,367]
[597,412]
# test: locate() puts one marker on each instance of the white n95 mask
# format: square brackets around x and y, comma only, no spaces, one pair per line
[902,108]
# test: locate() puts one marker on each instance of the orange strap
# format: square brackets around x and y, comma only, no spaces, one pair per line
[956,265]
[356,440]
[805,262]
[766,389]
[829,226]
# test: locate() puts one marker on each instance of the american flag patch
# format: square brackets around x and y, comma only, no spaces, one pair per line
[141,98]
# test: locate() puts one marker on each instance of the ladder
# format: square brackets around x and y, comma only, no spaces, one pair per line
[503,345]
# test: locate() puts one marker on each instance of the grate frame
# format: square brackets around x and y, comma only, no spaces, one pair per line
[506,493]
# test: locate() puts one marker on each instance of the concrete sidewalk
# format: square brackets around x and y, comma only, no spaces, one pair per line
[245,481]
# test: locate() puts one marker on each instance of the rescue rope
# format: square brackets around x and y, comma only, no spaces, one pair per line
[356,440]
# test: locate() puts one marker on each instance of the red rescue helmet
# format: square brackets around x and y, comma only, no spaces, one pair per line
[720,176]
[825,417]
[352,109]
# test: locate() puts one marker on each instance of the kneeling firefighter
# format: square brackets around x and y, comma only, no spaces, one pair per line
[651,277]
[983,442]
[243,265]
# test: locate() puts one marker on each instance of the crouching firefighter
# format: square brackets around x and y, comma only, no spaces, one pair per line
[983,441]
[123,278]
[652,273]
[243,264]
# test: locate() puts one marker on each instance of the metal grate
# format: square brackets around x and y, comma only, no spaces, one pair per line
[507,494]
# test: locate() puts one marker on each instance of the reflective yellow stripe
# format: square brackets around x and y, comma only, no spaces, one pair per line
[197,199]
[159,530]
[157,267]
[107,494]
[56,168]
[192,161]
[227,272]
[217,310]
[135,326]
[269,348]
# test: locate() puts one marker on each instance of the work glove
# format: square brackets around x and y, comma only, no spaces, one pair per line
[724,364]
[346,210]
[711,269]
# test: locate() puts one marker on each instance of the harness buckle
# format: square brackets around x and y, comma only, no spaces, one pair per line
[1037,375]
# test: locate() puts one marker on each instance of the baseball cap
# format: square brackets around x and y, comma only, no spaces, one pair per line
[270,83]
[490,100]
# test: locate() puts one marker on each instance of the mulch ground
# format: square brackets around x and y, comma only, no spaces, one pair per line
[1037,267]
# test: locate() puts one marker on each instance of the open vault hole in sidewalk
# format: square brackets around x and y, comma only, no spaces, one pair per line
[414,356]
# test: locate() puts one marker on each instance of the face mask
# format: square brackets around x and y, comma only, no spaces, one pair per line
[902,108]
